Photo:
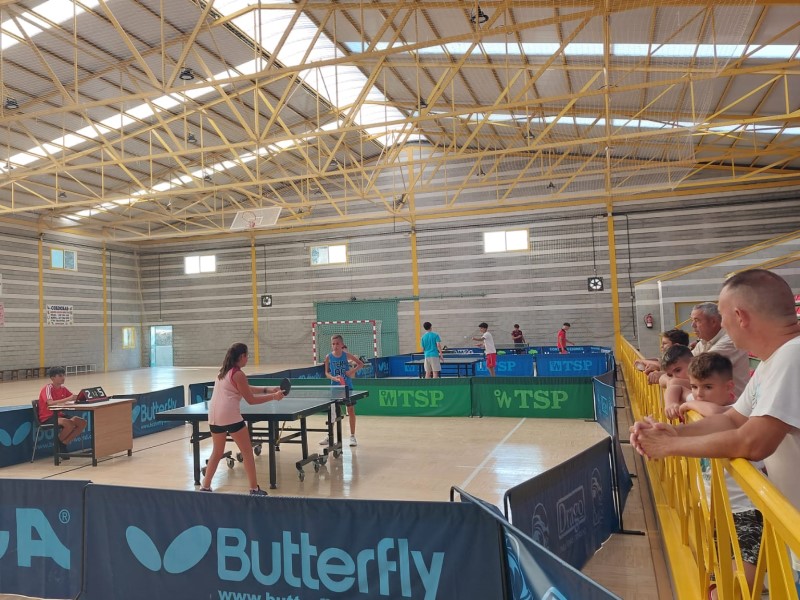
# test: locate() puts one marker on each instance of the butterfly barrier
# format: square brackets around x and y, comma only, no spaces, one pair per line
[17,431]
[75,539]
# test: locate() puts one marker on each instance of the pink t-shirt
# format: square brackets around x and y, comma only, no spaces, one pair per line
[224,409]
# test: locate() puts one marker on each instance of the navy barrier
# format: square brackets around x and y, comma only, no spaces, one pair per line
[147,405]
[230,546]
[41,537]
[606,415]
[532,571]
[16,435]
[569,509]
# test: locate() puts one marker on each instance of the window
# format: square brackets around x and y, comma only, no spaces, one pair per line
[128,337]
[328,255]
[505,241]
[63,259]
[200,264]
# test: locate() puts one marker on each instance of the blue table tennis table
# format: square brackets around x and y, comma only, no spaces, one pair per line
[455,364]
[299,404]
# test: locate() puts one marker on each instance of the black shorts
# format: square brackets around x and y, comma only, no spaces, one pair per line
[232,428]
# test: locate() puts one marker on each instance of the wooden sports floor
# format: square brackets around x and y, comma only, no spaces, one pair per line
[400,458]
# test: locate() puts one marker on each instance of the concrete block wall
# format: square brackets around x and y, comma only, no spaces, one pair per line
[82,342]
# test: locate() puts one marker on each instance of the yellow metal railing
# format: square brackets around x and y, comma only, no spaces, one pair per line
[699,533]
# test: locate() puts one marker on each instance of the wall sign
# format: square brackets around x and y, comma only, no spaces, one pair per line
[58,314]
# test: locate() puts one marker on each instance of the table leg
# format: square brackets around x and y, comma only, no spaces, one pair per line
[196,451]
[273,437]
[304,437]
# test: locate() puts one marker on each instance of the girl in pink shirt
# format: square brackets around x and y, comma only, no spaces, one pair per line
[225,417]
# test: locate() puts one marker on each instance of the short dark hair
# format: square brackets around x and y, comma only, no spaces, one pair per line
[675,354]
[53,371]
[566,325]
[427,325]
[707,364]
[766,292]
[483,325]
[677,336]
[516,325]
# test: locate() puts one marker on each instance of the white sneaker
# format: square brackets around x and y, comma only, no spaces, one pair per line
[324,442]
[353,441]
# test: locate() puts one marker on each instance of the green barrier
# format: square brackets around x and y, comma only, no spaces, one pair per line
[553,398]
[415,397]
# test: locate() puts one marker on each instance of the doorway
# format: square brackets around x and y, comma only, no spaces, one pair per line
[161,346]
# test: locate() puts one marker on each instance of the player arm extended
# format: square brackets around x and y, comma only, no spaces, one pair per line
[240,379]
[357,364]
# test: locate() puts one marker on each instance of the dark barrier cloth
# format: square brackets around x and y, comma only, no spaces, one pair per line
[16,435]
[569,509]
[147,405]
[41,535]
[606,415]
[534,573]
[198,392]
[161,544]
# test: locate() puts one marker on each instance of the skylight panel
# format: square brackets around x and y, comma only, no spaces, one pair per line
[55,11]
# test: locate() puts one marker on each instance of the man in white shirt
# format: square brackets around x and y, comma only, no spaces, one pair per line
[707,324]
[488,347]
[758,313]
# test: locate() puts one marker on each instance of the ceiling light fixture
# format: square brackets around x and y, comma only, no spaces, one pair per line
[423,103]
[191,139]
[186,74]
[551,187]
[478,17]
[62,195]
[11,104]
[207,178]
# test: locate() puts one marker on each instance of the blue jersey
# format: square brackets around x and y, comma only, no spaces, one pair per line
[339,366]
[428,343]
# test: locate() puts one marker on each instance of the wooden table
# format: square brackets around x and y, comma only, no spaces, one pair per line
[110,426]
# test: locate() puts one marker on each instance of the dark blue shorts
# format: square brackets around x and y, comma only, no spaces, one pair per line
[232,428]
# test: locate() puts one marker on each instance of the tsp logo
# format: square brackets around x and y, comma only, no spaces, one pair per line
[22,432]
[185,551]
[540,532]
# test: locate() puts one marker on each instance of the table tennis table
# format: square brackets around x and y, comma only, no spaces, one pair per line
[298,405]
[457,364]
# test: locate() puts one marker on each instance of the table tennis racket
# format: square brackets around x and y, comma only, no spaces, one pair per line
[286,386]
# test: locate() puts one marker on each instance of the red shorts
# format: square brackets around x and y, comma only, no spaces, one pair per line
[491,360]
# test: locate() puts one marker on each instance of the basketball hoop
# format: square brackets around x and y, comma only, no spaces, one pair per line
[255,218]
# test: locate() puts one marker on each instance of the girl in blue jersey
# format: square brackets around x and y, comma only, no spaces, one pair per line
[340,368]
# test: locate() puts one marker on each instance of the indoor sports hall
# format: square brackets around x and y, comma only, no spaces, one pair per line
[178,177]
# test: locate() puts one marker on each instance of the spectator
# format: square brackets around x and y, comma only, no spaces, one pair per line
[707,324]
[562,342]
[518,339]
[758,313]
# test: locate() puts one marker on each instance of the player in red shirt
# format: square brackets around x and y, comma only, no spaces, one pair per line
[563,342]
[56,393]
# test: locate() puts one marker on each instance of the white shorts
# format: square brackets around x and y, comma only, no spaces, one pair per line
[432,364]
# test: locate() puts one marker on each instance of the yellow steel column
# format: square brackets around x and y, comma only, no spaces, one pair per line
[105,314]
[254,286]
[413,240]
[612,259]
[41,306]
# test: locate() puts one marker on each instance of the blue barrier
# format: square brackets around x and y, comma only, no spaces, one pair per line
[143,417]
[532,571]
[41,537]
[16,435]
[573,365]
[569,509]
[224,545]
[606,415]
